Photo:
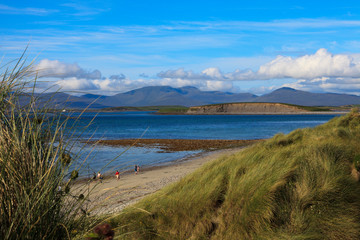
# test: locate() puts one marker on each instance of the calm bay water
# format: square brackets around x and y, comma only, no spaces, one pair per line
[122,125]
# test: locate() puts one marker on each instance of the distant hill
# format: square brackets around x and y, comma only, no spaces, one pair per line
[93,96]
[292,96]
[164,95]
[246,108]
[64,100]
[59,101]
[191,96]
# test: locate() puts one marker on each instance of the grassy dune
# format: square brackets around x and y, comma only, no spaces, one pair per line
[297,186]
[35,158]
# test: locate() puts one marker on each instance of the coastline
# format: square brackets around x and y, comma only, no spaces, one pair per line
[229,113]
[176,145]
[111,195]
[260,113]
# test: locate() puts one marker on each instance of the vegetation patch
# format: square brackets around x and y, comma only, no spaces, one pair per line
[295,186]
[159,109]
[174,110]
[37,168]
[175,145]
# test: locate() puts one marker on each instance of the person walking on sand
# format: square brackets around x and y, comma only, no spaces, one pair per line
[136,169]
[117,174]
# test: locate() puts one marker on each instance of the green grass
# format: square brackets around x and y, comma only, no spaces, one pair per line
[172,109]
[311,108]
[295,186]
[160,109]
[35,158]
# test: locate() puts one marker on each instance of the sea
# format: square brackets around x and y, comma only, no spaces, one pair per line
[148,125]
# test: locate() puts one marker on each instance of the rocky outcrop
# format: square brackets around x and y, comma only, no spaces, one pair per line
[246,108]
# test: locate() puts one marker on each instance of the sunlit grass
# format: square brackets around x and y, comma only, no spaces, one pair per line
[35,158]
[295,186]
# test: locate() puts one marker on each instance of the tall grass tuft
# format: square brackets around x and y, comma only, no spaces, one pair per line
[295,186]
[35,200]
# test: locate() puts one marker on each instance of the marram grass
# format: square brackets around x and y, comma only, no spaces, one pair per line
[296,186]
[35,198]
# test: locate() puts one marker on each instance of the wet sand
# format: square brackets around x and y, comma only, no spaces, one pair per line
[111,195]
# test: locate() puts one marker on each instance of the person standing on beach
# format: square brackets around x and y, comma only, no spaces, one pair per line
[117,174]
[136,169]
[99,177]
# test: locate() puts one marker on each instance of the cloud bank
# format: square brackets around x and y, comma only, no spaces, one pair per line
[320,64]
[321,71]
[57,69]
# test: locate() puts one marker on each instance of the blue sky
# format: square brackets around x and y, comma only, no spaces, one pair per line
[254,46]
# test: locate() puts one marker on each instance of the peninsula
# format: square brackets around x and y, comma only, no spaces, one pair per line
[256,108]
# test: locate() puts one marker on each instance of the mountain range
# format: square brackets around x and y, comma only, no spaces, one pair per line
[191,96]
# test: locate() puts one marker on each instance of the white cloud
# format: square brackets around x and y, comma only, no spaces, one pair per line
[213,73]
[57,69]
[320,64]
[112,86]
[76,84]
[327,84]
[218,86]
[321,71]
[204,85]
[207,74]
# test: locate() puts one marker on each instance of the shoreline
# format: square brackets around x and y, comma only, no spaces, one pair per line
[177,145]
[264,113]
[231,113]
[271,113]
[111,195]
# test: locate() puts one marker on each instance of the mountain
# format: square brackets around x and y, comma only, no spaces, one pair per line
[93,96]
[293,96]
[191,96]
[165,95]
[64,100]
[61,100]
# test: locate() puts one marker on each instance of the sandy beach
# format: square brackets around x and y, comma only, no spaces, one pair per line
[111,195]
